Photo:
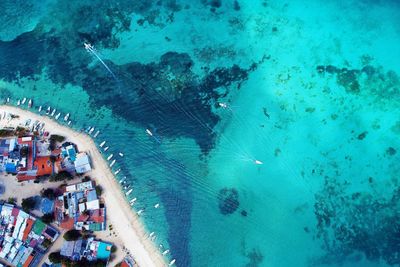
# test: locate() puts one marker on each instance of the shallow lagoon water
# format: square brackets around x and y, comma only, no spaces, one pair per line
[314,95]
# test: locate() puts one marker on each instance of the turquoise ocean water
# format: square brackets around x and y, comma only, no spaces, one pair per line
[312,90]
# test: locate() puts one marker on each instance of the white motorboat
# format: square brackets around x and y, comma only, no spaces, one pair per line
[40,108]
[165,252]
[66,117]
[58,115]
[110,157]
[118,171]
[128,192]
[18,102]
[102,143]
[172,262]
[30,103]
[112,163]
[23,101]
[106,148]
[53,112]
[96,134]
[121,154]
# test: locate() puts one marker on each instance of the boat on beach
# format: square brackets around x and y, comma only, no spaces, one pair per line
[66,117]
[18,102]
[102,143]
[69,122]
[112,163]
[58,115]
[91,130]
[96,134]
[118,171]
[140,212]
[133,200]
[23,101]
[30,103]
[110,157]
[53,112]
[8,100]
[40,108]
[48,110]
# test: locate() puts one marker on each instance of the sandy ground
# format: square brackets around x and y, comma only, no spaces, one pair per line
[128,234]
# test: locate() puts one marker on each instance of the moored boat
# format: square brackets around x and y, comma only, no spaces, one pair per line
[30,103]
[66,117]
[102,143]
[58,115]
[110,157]
[112,163]
[40,108]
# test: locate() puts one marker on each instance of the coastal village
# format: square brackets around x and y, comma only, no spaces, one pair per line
[60,225]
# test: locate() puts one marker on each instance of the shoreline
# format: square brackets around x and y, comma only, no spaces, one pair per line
[130,230]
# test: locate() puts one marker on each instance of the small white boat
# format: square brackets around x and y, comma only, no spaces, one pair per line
[30,103]
[157,206]
[53,112]
[40,108]
[149,132]
[172,262]
[258,162]
[91,130]
[58,115]
[122,180]
[48,110]
[133,200]
[128,192]
[106,148]
[69,122]
[8,100]
[121,154]
[151,234]
[165,252]
[96,134]
[223,105]
[140,212]
[118,171]
[102,143]
[112,163]
[23,100]
[18,102]
[66,117]
[110,157]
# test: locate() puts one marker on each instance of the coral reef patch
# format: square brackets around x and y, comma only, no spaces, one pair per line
[228,200]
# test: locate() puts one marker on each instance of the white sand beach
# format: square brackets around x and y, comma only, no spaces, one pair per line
[130,232]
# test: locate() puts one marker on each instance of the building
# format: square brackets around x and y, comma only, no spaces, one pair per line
[80,208]
[89,249]
[23,238]
[82,163]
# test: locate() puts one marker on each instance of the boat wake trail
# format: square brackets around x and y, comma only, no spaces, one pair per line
[91,49]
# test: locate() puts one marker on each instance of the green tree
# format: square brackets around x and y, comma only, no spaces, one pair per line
[48,218]
[72,235]
[99,190]
[48,193]
[63,175]
[55,257]
[28,204]
[12,200]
